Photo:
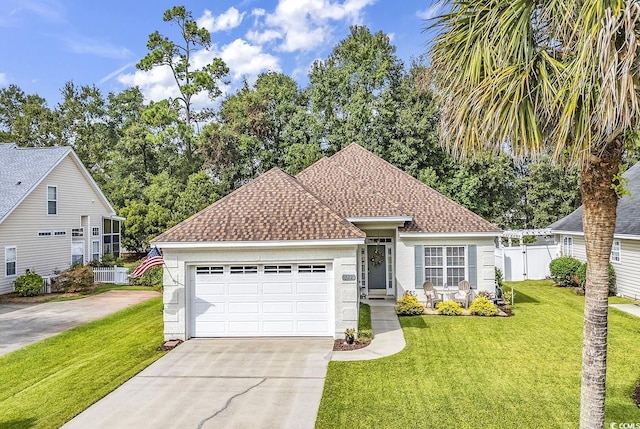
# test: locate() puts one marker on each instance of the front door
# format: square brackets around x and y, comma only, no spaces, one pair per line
[376,267]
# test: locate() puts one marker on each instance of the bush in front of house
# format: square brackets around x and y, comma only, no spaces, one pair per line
[78,278]
[449,308]
[409,305]
[563,270]
[581,275]
[481,306]
[29,284]
[499,277]
[152,278]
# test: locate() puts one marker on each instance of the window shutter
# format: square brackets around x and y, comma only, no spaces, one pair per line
[473,265]
[419,259]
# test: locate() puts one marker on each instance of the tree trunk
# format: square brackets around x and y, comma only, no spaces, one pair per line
[599,203]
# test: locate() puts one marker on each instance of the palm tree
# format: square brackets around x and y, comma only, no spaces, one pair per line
[560,76]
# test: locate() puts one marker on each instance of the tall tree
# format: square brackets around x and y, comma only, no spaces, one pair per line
[178,57]
[26,119]
[530,74]
[354,92]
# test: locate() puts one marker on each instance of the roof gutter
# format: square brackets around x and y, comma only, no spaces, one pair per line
[258,244]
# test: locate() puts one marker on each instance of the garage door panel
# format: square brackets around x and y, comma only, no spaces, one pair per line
[244,307]
[277,307]
[313,307]
[244,288]
[311,288]
[270,288]
[279,301]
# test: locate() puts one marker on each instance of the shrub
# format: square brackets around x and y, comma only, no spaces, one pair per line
[409,305]
[508,296]
[499,277]
[484,294]
[152,278]
[108,260]
[449,308]
[75,279]
[563,270]
[28,284]
[581,275]
[481,306]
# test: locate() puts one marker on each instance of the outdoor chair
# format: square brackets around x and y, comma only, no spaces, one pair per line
[463,293]
[433,297]
[499,296]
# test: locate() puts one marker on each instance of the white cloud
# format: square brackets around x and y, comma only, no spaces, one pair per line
[305,24]
[85,45]
[115,73]
[228,20]
[3,79]
[258,12]
[243,59]
[432,11]
[247,60]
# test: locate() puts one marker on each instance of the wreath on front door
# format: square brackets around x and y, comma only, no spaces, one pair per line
[377,258]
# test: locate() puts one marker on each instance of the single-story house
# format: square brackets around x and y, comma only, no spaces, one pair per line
[52,213]
[292,256]
[625,252]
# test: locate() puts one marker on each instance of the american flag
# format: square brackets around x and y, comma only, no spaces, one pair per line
[153,259]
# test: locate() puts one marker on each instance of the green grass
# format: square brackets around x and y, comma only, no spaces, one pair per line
[102,288]
[46,384]
[365,332]
[470,372]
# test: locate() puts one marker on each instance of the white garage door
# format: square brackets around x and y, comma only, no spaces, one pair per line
[262,300]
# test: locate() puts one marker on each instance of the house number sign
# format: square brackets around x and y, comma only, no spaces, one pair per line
[348,277]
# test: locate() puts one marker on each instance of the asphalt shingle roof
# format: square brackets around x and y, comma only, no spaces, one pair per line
[353,183]
[275,206]
[396,193]
[21,169]
[627,220]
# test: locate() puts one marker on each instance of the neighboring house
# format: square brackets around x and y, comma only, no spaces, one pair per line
[625,252]
[52,213]
[292,256]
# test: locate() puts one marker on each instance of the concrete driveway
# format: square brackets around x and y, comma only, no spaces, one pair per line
[24,324]
[221,383]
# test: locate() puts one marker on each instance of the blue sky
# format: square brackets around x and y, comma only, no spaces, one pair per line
[45,43]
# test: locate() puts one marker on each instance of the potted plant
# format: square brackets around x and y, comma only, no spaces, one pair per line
[350,335]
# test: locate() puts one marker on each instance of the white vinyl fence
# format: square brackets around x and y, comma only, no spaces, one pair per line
[526,262]
[117,275]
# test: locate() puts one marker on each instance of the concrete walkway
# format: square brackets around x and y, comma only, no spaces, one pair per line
[632,309]
[220,383]
[24,324]
[388,338]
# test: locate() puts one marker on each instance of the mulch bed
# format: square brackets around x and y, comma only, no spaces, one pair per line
[13,298]
[341,345]
[636,395]
[506,310]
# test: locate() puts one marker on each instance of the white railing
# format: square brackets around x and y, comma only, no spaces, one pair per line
[117,275]
[525,262]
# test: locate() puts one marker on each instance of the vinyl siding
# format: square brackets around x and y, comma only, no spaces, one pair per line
[76,198]
[405,261]
[628,269]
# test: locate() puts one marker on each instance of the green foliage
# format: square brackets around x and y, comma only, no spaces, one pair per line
[581,275]
[484,294]
[75,279]
[449,308]
[409,305]
[151,278]
[365,331]
[481,306]
[499,277]
[563,270]
[108,260]
[29,284]
[508,297]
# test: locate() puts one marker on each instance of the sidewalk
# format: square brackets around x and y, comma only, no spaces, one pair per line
[388,338]
[632,309]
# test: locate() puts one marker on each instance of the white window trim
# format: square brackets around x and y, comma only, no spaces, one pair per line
[84,256]
[99,253]
[6,261]
[619,260]
[56,200]
[567,243]
[93,230]
[444,265]
[45,234]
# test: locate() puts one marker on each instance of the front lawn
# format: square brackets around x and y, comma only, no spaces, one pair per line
[471,372]
[46,384]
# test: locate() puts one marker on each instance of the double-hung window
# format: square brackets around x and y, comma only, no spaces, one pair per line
[445,265]
[52,200]
[567,246]
[10,261]
[615,251]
